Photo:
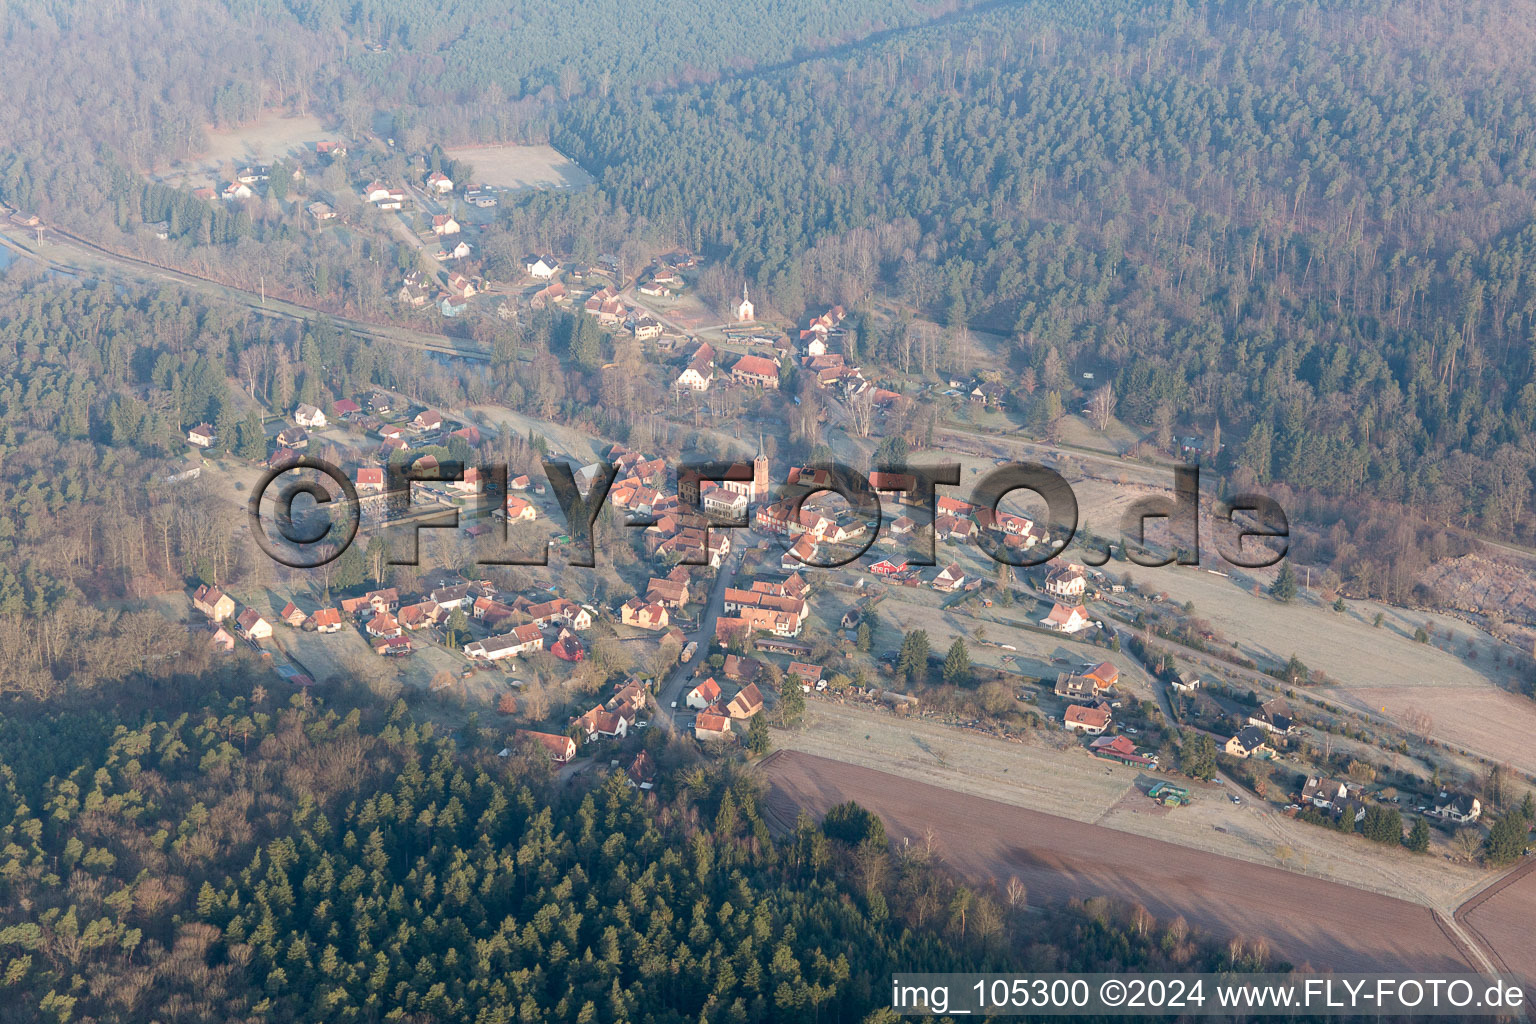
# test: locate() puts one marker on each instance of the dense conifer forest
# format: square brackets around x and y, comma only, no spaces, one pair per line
[224,854]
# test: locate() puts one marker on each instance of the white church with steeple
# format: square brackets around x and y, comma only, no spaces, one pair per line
[744,311]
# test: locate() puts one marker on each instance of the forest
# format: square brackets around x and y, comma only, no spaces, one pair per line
[1301,224]
[1306,227]
[229,852]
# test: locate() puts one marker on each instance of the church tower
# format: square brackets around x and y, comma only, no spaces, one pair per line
[744,311]
[760,473]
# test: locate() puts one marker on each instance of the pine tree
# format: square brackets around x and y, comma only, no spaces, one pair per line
[458,623]
[252,439]
[913,661]
[863,640]
[1418,836]
[351,568]
[758,739]
[957,664]
[1506,840]
[1284,587]
[791,706]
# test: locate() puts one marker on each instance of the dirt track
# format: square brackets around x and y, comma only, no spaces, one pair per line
[1305,920]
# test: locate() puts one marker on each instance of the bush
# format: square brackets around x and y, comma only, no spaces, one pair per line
[852,824]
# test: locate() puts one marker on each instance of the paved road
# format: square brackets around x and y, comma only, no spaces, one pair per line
[680,681]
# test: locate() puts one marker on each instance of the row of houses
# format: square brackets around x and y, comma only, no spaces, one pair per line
[219,608]
[776,605]
[715,714]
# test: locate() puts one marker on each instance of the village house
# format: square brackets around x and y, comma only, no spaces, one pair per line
[444,224]
[1250,741]
[950,580]
[1120,749]
[202,435]
[560,748]
[392,646]
[898,485]
[628,697]
[428,419]
[309,417]
[550,293]
[643,614]
[703,695]
[568,648]
[1074,687]
[747,702]
[646,328]
[1104,675]
[439,183]
[1065,619]
[606,305]
[641,772]
[414,291]
[454,596]
[599,722]
[524,639]
[709,726]
[741,670]
[1457,807]
[1185,681]
[519,510]
[470,483]
[1065,582]
[802,552]
[1273,716]
[806,674]
[293,437]
[386,600]
[948,527]
[700,370]
[489,611]
[384,625]
[669,593]
[459,286]
[220,638]
[252,626]
[1324,794]
[324,620]
[560,611]
[369,480]
[541,267]
[291,615]
[213,602]
[756,371]
[1087,721]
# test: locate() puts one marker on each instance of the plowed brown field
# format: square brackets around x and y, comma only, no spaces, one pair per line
[1304,920]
